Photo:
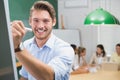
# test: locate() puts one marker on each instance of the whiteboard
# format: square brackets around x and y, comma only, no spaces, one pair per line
[68,35]
[7,56]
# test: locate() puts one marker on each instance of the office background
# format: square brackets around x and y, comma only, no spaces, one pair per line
[74,13]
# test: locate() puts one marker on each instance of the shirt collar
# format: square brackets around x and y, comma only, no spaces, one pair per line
[49,43]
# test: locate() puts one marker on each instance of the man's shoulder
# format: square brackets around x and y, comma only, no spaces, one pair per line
[61,45]
[60,42]
[114,54]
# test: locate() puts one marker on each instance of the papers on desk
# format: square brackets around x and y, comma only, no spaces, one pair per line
[110,66]
[106,66]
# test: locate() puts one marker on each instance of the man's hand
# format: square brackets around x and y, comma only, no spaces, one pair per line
[18,31]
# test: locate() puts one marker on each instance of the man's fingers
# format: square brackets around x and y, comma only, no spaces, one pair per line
[16,33]
[19,26]
[19,23]
[16,37]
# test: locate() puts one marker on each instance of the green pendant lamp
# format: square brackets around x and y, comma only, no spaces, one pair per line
[100,16]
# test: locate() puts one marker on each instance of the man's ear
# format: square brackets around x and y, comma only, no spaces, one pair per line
[54,21]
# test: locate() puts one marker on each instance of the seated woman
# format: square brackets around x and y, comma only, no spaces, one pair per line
[99,57]
[80,64]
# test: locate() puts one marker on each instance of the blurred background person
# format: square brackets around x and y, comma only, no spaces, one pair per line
[81,56]
[75,56]
[80,64]
[99,57]
[115,57]
[74,48]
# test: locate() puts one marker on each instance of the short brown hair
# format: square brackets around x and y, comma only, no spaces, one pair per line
[44,5]
[118,44]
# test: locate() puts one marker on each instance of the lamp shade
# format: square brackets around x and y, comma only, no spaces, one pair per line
[100,16]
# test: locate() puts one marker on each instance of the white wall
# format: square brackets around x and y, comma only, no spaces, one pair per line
[68,35]
[74,19]
[109,36]
[74,16]
[89,39]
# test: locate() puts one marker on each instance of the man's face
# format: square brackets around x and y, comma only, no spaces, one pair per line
[118,49]
[41,23]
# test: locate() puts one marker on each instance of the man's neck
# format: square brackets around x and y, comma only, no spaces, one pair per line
[41,42]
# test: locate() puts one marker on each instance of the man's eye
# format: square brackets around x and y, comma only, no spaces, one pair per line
[46,21]
[36,20]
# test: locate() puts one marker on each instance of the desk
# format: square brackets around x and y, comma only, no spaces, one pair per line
[100,75]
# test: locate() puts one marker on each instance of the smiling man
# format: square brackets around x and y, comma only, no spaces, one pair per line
[45,56]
